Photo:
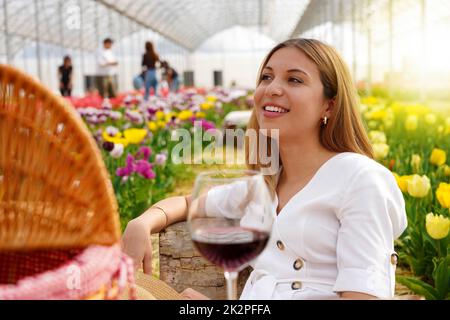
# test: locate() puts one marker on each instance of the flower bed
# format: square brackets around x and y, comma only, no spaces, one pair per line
[413,140]
[135,139]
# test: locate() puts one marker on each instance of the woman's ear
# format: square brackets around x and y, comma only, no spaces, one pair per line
[331,104]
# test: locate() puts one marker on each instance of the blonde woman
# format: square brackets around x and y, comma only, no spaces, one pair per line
[338,210]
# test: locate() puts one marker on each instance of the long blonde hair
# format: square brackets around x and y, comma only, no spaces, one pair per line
[344,131]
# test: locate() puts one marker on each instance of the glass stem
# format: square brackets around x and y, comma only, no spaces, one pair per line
[231,278]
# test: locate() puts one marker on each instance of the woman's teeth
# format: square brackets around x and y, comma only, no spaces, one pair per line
[275,109]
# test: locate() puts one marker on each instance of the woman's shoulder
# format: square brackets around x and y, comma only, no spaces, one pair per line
[356,162]
[354,166]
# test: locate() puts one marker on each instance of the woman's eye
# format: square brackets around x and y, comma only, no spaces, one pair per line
[295,80]
[265,77]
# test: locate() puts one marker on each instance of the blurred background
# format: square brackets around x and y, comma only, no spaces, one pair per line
[400,46]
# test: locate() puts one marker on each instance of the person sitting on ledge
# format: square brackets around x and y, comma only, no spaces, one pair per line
[338,211]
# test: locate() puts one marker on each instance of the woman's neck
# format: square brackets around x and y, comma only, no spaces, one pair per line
[301,160]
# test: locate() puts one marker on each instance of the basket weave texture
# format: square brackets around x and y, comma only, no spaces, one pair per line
[54,187]
[59,222]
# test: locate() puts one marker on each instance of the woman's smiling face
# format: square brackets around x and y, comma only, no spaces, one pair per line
[289,96]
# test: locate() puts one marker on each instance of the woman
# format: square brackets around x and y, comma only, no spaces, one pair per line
[149,60]
[65,76]
[338,210]
[171,76]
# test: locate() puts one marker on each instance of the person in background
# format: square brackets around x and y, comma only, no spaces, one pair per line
[149,60]
[171,76]
[65,76]
[107,68]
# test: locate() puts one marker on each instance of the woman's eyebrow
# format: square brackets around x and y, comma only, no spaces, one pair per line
[290,70]
[299,70]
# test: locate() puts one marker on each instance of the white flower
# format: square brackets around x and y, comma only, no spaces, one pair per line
[117,151]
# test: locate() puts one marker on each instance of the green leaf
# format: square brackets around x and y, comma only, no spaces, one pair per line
[442,277]
[419,287]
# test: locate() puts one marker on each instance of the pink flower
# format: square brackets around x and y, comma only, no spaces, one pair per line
[160,159]
[144,152]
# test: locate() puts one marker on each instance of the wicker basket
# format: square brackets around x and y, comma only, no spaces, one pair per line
[58,211]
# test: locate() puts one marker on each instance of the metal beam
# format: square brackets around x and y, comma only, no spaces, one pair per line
[145,25]
[38,39]
[5,21]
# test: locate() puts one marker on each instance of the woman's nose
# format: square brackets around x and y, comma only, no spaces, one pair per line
[274,89]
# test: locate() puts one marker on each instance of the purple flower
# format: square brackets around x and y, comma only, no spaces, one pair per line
[144,169]
[134,116]
[108,146]
[124,171]
[144,152]
[206,125]
[111,131]
[115,115]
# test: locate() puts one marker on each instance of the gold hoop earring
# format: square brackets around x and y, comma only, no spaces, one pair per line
[325,120]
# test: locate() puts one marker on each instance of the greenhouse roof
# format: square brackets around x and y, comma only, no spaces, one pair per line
[188,23]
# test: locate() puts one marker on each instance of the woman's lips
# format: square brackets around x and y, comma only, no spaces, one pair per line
[272,115]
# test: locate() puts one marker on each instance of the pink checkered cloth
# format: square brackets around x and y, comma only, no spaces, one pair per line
[69,274]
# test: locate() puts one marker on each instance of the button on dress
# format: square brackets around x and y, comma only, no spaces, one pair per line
[336,234]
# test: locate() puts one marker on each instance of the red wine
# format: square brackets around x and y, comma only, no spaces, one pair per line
[229,247]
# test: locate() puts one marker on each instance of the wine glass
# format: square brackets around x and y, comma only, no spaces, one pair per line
[230,219]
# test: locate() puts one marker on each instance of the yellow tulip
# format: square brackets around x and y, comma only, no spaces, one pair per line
[211,99]
[415,162]
[411,122]
[418,186]
[117,139]
[159,115]
[200,114]
[107,137]
[185,115]
[152,126]
[447,125]
[443,194]
[369,100]
[206,105]
[380,150]
[446,170]
[438,157]
[161,124]
[430,118]
[169,116]
[377,136]
[403,182]
[389,118]
[134,135]
[437,226]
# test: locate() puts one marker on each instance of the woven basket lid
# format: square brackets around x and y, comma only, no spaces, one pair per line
[54,187]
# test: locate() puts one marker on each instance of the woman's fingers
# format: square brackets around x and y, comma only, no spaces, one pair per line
[148,260]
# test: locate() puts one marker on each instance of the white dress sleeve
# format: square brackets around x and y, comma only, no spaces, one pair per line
[223,201]
[372,215]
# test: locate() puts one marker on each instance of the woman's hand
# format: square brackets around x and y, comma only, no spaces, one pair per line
[137,243]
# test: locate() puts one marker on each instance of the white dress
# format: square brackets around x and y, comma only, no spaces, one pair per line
[336,234]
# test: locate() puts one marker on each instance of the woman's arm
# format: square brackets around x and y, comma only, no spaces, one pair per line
[136,240]
[175,209]
[356,295]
